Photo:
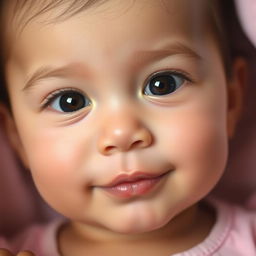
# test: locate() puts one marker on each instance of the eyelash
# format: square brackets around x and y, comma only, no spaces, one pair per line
[52,96]
[176,72]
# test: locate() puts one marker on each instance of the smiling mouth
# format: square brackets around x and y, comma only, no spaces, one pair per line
[138,184]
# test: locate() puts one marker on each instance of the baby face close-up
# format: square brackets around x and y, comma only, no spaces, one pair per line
[120,111]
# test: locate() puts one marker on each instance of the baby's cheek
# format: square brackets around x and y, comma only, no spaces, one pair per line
[197,147]
[50,158]
[54,167]
[206,146]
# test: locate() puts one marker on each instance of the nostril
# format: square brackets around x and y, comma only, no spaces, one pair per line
[109,148]
[137,144]
[129,139]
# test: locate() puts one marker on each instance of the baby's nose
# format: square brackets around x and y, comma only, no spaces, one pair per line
[122,134]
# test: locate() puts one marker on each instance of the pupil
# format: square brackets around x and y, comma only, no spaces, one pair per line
[72,101]
[163,85]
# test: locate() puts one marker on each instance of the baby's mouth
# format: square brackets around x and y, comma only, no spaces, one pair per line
[138,184]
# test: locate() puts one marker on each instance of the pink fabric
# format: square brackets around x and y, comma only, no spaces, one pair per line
[40,239]
[234,233]
[247,13]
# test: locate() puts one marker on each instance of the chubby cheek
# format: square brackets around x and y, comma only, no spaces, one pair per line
[197,145]
[55,164]
[205,151]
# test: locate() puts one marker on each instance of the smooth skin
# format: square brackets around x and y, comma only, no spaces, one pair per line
[109,54]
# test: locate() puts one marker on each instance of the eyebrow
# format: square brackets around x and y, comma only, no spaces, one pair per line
[45,72]
[168,50]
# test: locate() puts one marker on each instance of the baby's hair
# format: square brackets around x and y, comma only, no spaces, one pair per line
[36,8]
[21,11]
[24,11]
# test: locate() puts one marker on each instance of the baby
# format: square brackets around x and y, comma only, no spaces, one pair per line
[122,112]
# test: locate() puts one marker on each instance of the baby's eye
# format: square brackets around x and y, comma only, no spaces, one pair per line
[164,83]
[68,101]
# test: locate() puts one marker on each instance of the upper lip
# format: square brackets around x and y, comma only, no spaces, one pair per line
[137,176]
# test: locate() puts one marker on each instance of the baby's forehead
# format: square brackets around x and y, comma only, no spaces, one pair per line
[26,10]
[18,13]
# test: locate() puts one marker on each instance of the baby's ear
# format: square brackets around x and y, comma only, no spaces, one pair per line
[236,91]
[7,122]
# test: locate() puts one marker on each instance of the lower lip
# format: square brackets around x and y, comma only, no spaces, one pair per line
[133,189]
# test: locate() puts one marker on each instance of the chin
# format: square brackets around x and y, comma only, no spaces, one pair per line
[138,229]
[136,225]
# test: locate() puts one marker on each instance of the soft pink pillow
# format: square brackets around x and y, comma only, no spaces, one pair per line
[247,13]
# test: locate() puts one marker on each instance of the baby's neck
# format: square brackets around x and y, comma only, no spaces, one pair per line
[182,233]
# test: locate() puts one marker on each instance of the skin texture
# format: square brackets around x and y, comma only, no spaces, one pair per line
[109,53]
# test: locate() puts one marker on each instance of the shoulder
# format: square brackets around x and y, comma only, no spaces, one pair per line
[235,229]
[40,239]
[241,219]
[232,234]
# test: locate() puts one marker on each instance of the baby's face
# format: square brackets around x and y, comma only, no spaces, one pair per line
[121,111]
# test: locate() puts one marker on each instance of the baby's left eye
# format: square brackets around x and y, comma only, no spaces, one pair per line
[164,83]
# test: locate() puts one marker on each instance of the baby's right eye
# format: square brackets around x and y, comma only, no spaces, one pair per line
[67,101]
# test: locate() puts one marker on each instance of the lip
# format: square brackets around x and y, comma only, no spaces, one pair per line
[137,184]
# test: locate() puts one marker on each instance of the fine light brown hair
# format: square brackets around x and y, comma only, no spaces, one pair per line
[216,14]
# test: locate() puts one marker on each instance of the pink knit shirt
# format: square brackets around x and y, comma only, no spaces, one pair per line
[234,234]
